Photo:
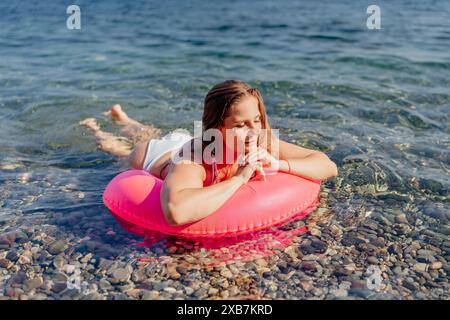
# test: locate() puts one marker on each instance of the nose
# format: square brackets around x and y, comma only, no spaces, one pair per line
[251,132]
[252,126]
[251,135]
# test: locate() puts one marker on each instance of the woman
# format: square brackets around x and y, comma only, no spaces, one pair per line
[192,190]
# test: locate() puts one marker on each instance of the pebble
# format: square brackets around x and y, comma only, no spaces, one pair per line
[7,240]
[39,296]
[201,293]
[223,283]
[59,287]
[57,247]
[170,290]
[379,242]
[139,276]
[120,275]
[372,260]
[436,213]
[188,290]
[401,218]
[411,285]
[307,285]
[339,293]
[93,296]
[12,255]
[158,285]
[105,285]
[69,268]
[335,230]
[395,248]
[436,265]
[310,257]
[285,277]
[363,293]
[213,291]
[420,267]
[104,264]
[59,262]
[33,283]
[423,252]
[172,271]
[59,276]
[134,293]
[21,237]
[5,263]
[317,292]
[426,259]
[125,287]
[342,271]
[24,259]
[150,295]
[226,273]
[306,265]
[398,271]
[358,284]
[86,258]
[290,251]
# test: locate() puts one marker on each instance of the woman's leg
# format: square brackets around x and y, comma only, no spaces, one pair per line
[108,142]
[133,129]
[121,146]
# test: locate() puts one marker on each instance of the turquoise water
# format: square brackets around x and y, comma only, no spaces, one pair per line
[376,101]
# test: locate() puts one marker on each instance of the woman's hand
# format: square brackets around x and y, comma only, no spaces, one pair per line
[259,161]
[269,162]
[246,171]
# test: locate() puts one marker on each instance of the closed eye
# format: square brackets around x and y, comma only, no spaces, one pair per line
[242,124]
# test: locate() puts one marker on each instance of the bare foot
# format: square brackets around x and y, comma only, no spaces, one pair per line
[118,115]
[91,124]
[132,128]
[106,141]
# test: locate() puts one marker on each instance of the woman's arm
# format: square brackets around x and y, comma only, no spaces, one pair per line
[185,200]
[305,162]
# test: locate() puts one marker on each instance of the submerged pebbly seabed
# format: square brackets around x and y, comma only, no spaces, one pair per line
[84,254]
[375,101]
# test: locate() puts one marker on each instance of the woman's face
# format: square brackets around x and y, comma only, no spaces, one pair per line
[244,122]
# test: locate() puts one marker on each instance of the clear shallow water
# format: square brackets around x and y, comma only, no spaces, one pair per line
[377,102]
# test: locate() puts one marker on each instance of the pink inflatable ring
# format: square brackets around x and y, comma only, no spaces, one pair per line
[134,197]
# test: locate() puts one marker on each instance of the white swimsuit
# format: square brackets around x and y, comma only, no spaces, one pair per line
[158,147]
[172,141]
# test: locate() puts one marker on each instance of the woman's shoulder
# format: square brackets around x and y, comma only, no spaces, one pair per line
[188,168]
[189,160]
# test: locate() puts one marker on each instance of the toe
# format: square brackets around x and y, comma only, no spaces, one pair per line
[116,107]
[90,123]
[118,114]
